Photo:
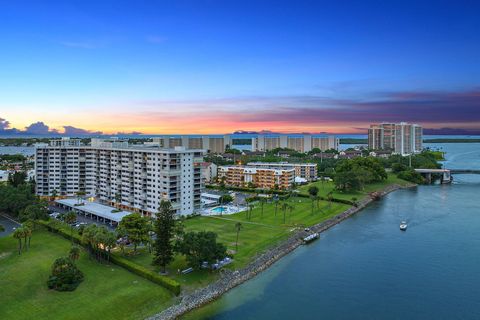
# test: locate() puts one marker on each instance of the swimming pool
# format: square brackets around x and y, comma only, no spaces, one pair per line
[219,209]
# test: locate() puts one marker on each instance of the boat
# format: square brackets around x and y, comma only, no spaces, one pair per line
[403,225]
[311,237]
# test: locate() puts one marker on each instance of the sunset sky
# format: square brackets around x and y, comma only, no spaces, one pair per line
[220,66]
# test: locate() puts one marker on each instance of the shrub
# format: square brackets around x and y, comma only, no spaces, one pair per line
[411,175]
[65,275]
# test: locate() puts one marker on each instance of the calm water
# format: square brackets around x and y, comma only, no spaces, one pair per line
[26,151]
[366,268]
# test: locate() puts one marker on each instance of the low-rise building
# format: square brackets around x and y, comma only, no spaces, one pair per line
[306,171]
[265,178]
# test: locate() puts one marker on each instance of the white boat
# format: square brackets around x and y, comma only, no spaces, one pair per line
[403,225]
[311,237]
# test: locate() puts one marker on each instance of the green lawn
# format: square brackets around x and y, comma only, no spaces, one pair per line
[325,187]
[253,239]
[108,291]
[257,234]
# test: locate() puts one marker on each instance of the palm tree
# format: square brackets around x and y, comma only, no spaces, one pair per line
[118,199]
[284,209]
[74,253]
[70,218]
[79,194]
[18,234]
[262,203]
[238,227]
[27,233]
[54,194]
[251,206]
[330,198]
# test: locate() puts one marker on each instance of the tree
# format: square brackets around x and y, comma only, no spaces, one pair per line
[164,230]
[238,227]
[226,198]
[251,206]
[65,275]
[19,234]
[74,253]
[313,191]
[2,228]
[136,228]
[70,218]
[201,246]
[118,199]
[17,178]
[79,195]
[262,204]
[54,194]
[34,212]
[27,233]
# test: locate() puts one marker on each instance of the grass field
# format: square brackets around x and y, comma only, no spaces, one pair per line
[108,291]
[256,235]
[325,187]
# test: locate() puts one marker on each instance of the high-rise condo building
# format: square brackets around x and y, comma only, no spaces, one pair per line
[402,138]
[132,177]
[250,142]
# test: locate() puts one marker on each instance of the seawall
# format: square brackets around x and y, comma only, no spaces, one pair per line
[231,279]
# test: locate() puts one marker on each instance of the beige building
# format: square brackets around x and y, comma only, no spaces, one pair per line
[306,171]
[402,138]
[265,178]
[249,142]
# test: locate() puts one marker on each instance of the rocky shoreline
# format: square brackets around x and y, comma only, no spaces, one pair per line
[231,279]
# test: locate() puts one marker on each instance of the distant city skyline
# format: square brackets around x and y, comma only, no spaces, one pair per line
[206,67]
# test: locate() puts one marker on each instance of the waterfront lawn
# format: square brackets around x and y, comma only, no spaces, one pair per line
[108,291]
[300,216]
[325,187]
[253,239]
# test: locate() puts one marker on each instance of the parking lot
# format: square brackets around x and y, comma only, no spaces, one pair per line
[81,219]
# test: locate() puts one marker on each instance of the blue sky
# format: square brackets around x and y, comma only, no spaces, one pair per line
[143,66]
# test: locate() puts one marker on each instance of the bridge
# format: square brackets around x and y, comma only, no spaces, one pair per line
[445,174]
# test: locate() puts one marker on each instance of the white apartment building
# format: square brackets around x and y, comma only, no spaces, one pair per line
[402,138]
[133,177]
[250,142]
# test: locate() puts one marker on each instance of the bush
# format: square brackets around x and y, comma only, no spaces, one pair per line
[65,275]
[411,175]
[165,282]
[398,167]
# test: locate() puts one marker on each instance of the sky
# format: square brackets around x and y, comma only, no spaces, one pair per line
[154,67]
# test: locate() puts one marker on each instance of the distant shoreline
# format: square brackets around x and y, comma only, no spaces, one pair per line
[433,140]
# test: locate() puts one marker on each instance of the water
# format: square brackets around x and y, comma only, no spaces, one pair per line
[26,151]
[366,268]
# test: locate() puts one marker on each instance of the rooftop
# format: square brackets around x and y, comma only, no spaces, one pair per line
[96,209]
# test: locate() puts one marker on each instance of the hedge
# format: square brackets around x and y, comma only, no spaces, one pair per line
[344,201]
[165,282]
[64,232]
